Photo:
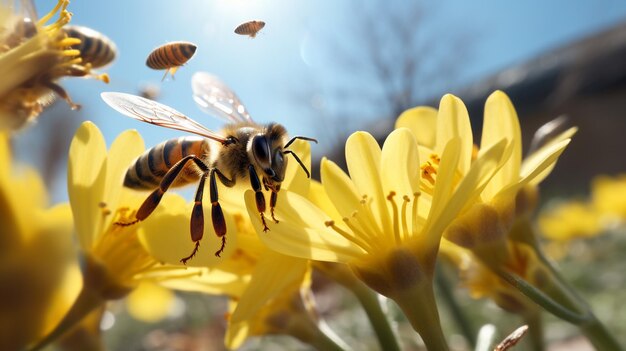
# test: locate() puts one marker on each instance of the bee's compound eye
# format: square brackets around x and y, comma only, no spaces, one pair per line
[261,150]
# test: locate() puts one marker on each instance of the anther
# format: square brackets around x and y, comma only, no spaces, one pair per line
[396,229]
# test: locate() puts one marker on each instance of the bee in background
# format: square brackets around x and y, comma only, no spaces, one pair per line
[243,151]
[250,28]
[34,55]
[171,56]
[150,91]
[95,48]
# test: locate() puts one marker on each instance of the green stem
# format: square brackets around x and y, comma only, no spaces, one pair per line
[86,302]
[445,292]
[419,306]
[308,331]
[378,319]
[535,330]
[541,298]
[369,302]
[599,336]
[322,343]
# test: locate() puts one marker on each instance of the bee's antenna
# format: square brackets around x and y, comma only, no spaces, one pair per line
[308,175]
[301,138]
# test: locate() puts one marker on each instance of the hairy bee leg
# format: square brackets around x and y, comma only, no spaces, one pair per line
[152,201]
[196,226]
[63,94]
[273,199]
[217,215]
[258,195]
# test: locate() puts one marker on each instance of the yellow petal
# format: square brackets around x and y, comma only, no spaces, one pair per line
[453,121]
[149,302]
[166,235]
[363,158]
[295,177]
[126,147]
[86,181]
[539,165]
[444,185]
[237,334]
[400,164]
[301,231]
[473,183]
[274,272]
[339,188]
[422,121]
[317,195]
[501,122]
[214,282]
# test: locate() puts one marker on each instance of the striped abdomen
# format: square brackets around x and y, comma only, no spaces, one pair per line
[94,47]
[170,55]
[250,28]
[149,168]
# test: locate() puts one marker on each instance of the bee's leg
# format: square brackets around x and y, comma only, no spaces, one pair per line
[155,197]
[196,226]
[217,216]
[63,94]
[273,199]
[258,193]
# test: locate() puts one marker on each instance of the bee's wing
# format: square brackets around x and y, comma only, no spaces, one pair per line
[215,98]
[150,111]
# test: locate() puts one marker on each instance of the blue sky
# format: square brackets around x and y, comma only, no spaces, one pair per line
[290,57]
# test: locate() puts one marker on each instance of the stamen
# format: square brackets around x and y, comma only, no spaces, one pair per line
[416,197]
[70,53]
[405,225]
[346,235]
[428,171]
[435,159]
[368,218]
[356,226]
[68,42]
[56,8]
[396,225]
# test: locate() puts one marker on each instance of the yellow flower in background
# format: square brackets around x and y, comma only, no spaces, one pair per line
[150,302]
[488,219]
[39,272]
[34,55]
[247,272]
[570,220]
[608,197]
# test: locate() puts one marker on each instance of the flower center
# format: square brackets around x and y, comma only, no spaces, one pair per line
[429,173]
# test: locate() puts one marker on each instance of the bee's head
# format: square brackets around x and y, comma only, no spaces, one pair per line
[269,156]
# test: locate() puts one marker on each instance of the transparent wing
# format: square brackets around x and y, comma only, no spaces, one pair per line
[215,98]
[149,111]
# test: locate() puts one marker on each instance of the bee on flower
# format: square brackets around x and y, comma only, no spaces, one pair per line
[34,55]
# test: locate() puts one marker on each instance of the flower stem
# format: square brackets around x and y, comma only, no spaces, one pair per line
[599,336]
[86,302]
[369,301]
[419,306]
[445,292]
[535,330]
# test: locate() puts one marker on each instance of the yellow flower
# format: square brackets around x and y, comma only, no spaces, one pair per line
[608,197]
[486,222]
[150,302]
[386,219]
[249,273]
[33,56]
[39,274]
[570,220]
[115,261]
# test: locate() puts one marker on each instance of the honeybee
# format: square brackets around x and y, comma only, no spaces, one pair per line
[171,56]
[95,48]
[250,28]
[243,150]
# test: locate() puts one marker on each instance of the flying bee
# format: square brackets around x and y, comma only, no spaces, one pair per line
[171,56]
[243,151]
[250,28]
[95,48]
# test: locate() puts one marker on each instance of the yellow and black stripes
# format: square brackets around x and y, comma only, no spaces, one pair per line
[171,55]
[250,28]
[148,169]
[95,48]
